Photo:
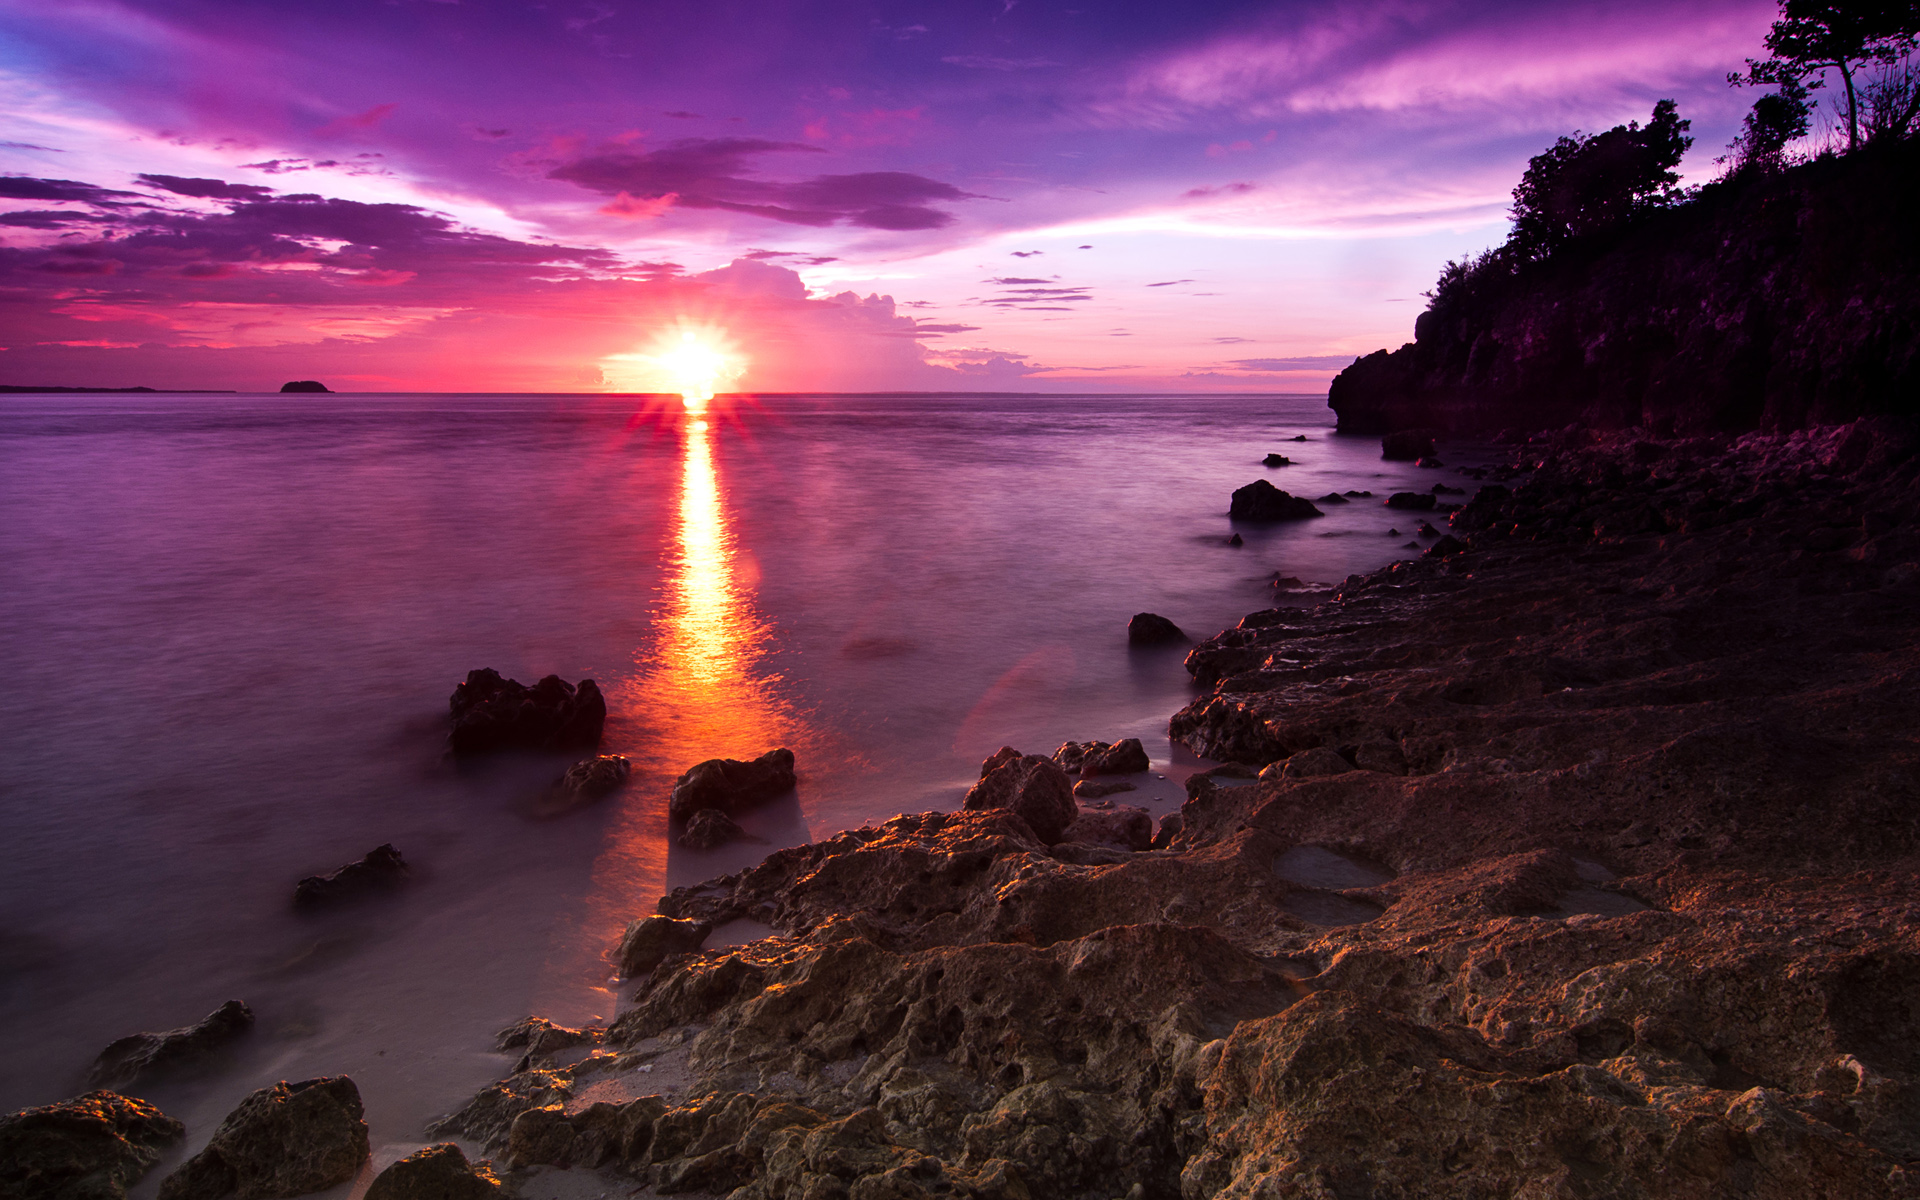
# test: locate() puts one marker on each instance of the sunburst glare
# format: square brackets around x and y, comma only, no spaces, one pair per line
[695,362]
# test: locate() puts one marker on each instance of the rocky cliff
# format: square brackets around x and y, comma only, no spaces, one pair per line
[1772,300]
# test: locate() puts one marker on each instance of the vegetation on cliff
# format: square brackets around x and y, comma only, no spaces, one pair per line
[1781,295]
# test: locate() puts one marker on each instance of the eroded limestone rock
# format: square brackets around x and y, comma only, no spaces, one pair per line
[92,1147]
[140,1055]
[439,1172]
[283,1141]
[729,785]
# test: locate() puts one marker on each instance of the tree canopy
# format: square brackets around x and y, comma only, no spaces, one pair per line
[1812,37]
[1583,184]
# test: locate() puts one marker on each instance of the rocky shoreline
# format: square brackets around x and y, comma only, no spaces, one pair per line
[1580,862]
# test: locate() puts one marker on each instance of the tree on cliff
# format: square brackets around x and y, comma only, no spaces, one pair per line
[1776,119]
[1581,185]
[1813,37]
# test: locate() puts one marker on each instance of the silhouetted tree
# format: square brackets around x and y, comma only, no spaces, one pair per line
[1776,119]
[1582,185]
[1813,37]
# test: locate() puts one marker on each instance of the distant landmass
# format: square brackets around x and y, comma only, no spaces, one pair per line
[9,388]
[305,385]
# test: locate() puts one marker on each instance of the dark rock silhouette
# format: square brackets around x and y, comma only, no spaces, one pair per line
[491,713]
[439,1172]
[382,869]
[1277,460]
[1125,757]
[729,785]
[1261,501]
[282,1141]
[141,1055]
[92,1147]
[592,778]
[709,829]
[1152,629]
[305,385]
[1032,788]
[1416,501]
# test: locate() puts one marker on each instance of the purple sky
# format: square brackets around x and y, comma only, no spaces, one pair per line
[400,194]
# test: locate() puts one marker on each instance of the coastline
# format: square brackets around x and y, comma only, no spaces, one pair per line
[1634,899]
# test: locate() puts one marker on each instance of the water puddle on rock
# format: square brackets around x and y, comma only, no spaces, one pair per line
[1328,872]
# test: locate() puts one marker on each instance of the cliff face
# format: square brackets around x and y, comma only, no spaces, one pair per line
[1773,301]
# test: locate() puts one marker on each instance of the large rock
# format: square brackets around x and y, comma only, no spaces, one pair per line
[1122,827]
[1033,788]
[1152,629]
[710,829]
[1415,501]
[1124,757]
[92,1147]
[439,1172]
[649,941]
[382,869]
[141,1055]
[491,713]
[1261,501]
[730,785]
[592,778]
[283,1141]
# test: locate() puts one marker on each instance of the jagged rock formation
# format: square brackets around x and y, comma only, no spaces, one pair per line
[92,1147]
[728,785]
[439,1172]
[140,1055]
[381,869]
[491,713]
[1771,301]
[1581,864]
[283,1141]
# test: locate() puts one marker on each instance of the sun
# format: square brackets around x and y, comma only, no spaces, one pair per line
[695,361]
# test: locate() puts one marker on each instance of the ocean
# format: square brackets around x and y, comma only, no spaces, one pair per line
[229,626]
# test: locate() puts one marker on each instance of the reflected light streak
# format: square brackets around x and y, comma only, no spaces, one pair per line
[700,692]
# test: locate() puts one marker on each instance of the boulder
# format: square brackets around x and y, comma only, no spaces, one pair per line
[1416,501]
[1334,498]
[1124,757]
[1152,629]
[1236,540]
[439,1172]
[731,785]
[92,1147]
[142,1054]
[1298,437]
[283,1141]
[1407,445]
[710,829]
[1261,501]
[1124,827]
[592,778]
[1093,789]
[491,713]
[380,870]
[1032,788]
[305,385]
[1276,460]
[1446,547]
[649,941]
[1429,461]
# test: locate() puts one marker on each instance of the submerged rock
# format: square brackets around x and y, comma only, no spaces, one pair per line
[381,869]
[730,785]
[92,1147]
[439,1172]
[1261,501]
[649,941]
[492,713]
[592,778]
[1407,445]
[140,1055]
[709,829]
[1032,788]
[1276,460]
[1415,501]
[283,1141]
[1152,629]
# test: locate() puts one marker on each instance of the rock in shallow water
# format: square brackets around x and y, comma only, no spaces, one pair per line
[1407,445]
[380,870]
[283,1141]
[1152,629]
[143,1054]
[649,941]
[592,778]
[1261,501]
[92,1147]
[710,829]
[730,785]
[491,713]
[439,1172]
[1032,788]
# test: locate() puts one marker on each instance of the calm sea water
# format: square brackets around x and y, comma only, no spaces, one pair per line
[229,626]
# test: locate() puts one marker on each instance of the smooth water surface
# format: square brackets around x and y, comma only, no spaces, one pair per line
[229,626]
